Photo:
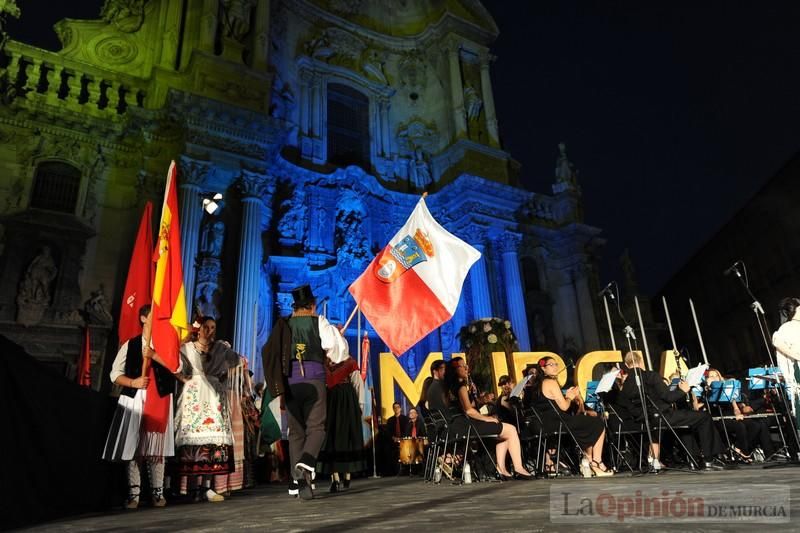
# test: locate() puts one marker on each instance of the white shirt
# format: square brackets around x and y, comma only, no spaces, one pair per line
[787,343]
[118,366]
[332,341]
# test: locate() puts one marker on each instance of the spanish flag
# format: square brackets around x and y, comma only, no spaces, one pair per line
[170,320]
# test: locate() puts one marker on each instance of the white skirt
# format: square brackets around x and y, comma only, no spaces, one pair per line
[125,431]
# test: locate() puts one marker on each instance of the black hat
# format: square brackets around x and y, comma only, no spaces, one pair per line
[303,297]
[528,367]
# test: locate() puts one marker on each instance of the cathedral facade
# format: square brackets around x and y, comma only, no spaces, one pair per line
[320,123]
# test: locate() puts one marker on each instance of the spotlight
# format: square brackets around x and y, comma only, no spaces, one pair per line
[210,204]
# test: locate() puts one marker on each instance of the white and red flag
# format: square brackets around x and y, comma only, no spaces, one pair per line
[413,285]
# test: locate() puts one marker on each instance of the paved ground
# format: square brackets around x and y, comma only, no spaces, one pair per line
[411,504]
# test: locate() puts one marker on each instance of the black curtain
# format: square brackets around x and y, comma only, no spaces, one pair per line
[53,432]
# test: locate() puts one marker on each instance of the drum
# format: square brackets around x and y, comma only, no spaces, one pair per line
[412,450]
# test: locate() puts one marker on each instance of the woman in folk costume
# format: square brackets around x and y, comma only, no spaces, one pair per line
[204,425]
[343,452]
[141,431]
[787,343]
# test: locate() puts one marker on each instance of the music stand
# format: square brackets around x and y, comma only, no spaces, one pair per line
[722,393]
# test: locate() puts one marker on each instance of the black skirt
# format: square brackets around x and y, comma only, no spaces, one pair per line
[343,450]
[585,429]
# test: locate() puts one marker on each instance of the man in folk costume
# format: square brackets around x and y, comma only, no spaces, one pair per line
[131,438]
[294,364]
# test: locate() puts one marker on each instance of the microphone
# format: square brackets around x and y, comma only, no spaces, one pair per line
[607,290]
[731,269]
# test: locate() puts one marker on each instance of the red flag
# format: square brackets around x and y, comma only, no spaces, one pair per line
[364,356]
[169,303]
[84,375]
[169,322]
[139,286]
[413,286]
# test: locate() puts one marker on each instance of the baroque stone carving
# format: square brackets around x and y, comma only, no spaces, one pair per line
[345,7]
[372,65]
[337,46]
[7,7]
[292,225]
[352,246]
[126,15]
[95,171]
[96,308]
[418,134]
[207,294]
[116,50]
[236,19]
[413,70]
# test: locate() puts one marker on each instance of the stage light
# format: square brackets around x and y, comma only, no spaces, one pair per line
[210,204]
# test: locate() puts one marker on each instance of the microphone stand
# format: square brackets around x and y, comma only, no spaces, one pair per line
[763,327]
[629,334]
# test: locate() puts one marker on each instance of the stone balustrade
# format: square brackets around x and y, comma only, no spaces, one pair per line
[28,73]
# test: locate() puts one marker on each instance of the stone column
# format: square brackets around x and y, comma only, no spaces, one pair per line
[479,283]
[192,176]
[261,36]
[488,101]
[386,140]
[515,292]
[252,187]
[207,31]
[457,90]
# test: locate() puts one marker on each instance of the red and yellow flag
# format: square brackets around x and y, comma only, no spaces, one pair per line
[170,320]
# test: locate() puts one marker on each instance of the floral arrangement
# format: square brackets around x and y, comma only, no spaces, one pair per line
[479,339]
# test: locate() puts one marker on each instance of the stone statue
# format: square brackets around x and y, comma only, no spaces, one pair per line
[419,171]
[96,309]
[472,103]
[207,299]
[236,19]
[213,237]
[126,15]
[35,287]
[7,7]
[565,170]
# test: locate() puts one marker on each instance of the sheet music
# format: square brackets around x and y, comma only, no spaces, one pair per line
[695,375]
[607,381]
[516,392]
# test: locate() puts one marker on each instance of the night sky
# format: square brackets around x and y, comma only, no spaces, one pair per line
[674,113]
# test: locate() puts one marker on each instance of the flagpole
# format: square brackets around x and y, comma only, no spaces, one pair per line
[350,318]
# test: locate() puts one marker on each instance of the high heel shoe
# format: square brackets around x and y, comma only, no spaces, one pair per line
[600,470]
[523,477]
[586,468]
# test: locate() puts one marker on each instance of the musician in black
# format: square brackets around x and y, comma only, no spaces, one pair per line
[503,408]
[659,400]
[746,433]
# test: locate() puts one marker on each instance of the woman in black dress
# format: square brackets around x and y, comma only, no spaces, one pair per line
[456,379]
[589,431]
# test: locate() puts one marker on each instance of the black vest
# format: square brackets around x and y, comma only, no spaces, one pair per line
[306,344]
[165,381]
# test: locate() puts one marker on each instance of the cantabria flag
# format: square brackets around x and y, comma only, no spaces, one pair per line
[413,286]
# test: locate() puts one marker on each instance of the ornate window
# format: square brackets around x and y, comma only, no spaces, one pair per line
[348,127]
[55,187]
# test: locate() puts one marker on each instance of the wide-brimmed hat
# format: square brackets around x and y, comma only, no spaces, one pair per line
[302,296]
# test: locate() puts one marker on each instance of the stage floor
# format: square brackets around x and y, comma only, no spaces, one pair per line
[410,504]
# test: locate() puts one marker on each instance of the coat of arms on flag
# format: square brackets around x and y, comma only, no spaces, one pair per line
[414,284]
